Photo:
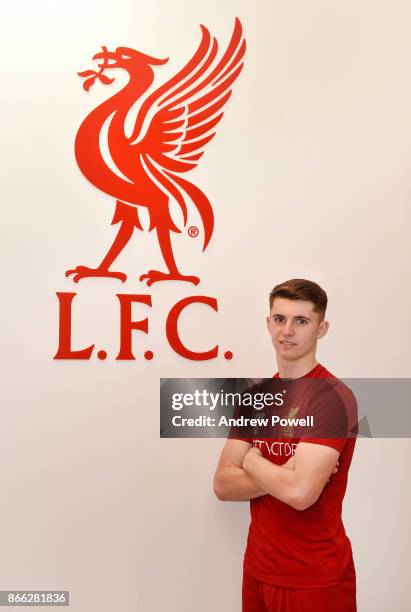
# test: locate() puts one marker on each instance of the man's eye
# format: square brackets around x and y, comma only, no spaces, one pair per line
[278,319]
[302,321]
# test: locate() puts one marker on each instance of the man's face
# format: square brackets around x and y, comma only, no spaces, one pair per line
[294,328]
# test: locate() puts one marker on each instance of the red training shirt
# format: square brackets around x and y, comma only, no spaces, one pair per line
[301,549]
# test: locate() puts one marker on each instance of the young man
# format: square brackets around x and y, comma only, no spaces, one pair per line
[298,557]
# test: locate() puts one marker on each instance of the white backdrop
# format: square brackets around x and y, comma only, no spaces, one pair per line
[309,176]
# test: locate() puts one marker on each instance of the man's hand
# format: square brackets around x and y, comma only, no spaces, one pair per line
[250,456]
[290,465]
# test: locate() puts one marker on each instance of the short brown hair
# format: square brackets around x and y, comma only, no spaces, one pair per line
[301,289]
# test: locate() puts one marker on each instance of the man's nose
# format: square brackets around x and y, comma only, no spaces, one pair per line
[288,329]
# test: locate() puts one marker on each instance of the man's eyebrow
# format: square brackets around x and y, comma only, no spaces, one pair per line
[278,314]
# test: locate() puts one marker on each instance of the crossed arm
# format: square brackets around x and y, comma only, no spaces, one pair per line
[243,473]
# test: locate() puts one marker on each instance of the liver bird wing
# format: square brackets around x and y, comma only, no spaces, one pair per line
[184,113]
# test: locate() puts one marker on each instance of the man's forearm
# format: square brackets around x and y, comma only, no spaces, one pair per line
[232,483]
[276,480]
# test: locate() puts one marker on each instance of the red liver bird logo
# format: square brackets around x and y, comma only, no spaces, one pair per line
[172,128]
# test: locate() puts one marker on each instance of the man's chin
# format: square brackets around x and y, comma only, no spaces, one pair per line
[290,353]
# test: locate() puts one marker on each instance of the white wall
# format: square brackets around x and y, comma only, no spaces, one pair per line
[310,176]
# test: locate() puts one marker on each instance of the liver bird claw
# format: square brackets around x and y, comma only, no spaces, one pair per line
[154,276]
[85,272]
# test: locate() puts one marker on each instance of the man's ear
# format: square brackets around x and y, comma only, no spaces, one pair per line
[323,329]
[267,320]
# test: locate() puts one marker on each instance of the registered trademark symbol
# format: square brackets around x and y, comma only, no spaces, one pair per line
[193,231]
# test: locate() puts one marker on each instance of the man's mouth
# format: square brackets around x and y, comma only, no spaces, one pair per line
[288,343]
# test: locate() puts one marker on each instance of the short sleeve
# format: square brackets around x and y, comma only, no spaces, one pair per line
[333,409]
